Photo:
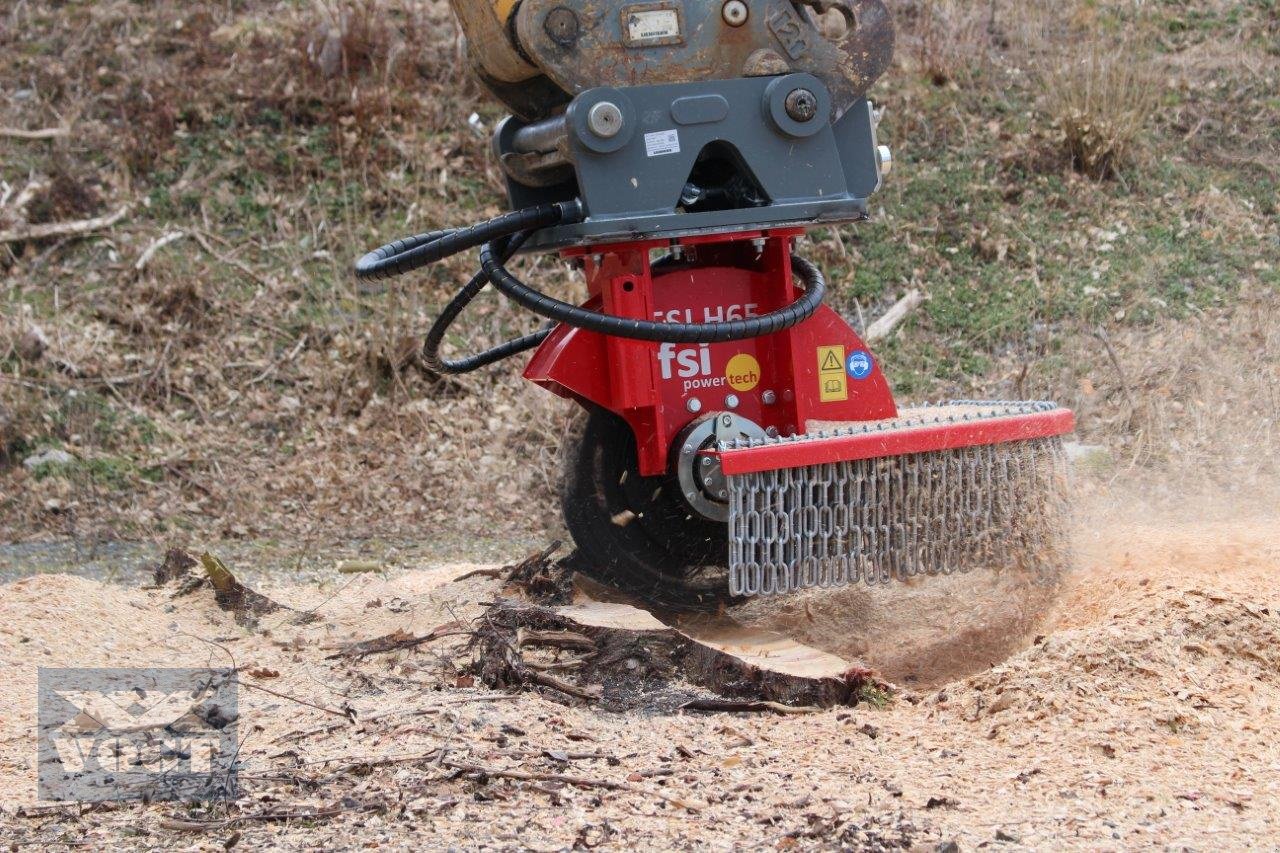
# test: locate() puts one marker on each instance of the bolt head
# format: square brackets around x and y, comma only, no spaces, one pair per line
[562,26]
[735,13]
[770,397]
[732,401]
[605,120]
[694,405]
[802,105]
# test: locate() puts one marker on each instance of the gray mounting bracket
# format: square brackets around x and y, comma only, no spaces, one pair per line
[631,151]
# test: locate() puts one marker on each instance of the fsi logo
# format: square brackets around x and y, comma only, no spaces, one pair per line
[691,364]
[125,734]
[688,361]
[860,364]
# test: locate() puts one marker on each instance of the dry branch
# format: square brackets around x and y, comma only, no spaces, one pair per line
[730,706]
[157,245]
[397,641]
[230,261]
[527,776]
[187,825]
[883,328]
[15,207]
[63,229]
[41,133]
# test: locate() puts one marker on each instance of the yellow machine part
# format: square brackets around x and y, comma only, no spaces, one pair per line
[485,24]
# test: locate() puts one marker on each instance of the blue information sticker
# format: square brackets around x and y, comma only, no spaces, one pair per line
[860,364]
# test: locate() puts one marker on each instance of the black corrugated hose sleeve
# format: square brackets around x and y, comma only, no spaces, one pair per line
[644,330]
[413,253]
[500,238]
[431,347]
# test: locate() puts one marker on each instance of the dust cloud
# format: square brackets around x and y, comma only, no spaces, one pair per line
[934,630]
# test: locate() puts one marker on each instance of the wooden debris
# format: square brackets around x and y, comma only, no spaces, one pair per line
[358,567]
[177,565]
[245,604]
[903,309]
[481,573]
[63,229]
[398,640]
[540,579]
[527,776]
[558,639]
[730,706]
[32,135]
[633,660]
[188,825]
[884,327]
[545,679]
[150,252]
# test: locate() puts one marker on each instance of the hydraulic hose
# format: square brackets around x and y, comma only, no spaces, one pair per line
[646,330]
[509,230]
[431,347]
[413,253]
[501,237]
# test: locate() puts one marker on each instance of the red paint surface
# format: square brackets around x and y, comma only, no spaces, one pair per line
[728,278]
[898,442]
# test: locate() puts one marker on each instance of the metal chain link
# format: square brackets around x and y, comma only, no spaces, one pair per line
[997,506]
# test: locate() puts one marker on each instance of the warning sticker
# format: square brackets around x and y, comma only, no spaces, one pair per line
[833,382]
[662,142]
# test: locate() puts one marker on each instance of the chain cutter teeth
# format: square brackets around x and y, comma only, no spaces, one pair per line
[994,505]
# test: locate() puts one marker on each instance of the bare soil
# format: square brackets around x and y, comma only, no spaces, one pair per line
[1141,716]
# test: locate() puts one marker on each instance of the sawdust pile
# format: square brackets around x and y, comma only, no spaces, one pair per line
[1142,714]
[919,634]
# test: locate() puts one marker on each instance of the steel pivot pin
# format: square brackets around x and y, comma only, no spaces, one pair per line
[735,13]
[605,120]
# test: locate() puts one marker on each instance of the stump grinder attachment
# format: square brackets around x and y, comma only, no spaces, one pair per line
[736,436]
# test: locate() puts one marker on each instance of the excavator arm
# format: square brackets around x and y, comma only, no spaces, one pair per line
[536,55]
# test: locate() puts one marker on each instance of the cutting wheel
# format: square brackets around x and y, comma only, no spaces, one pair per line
[635,533]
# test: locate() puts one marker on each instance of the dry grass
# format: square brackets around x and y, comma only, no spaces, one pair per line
[243,384]
[946,40]
[1099,82]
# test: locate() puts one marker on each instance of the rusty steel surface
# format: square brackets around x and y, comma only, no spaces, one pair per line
[491,51]
[583,44]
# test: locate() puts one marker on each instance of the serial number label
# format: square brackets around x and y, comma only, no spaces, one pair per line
[662,142]
[652,26]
